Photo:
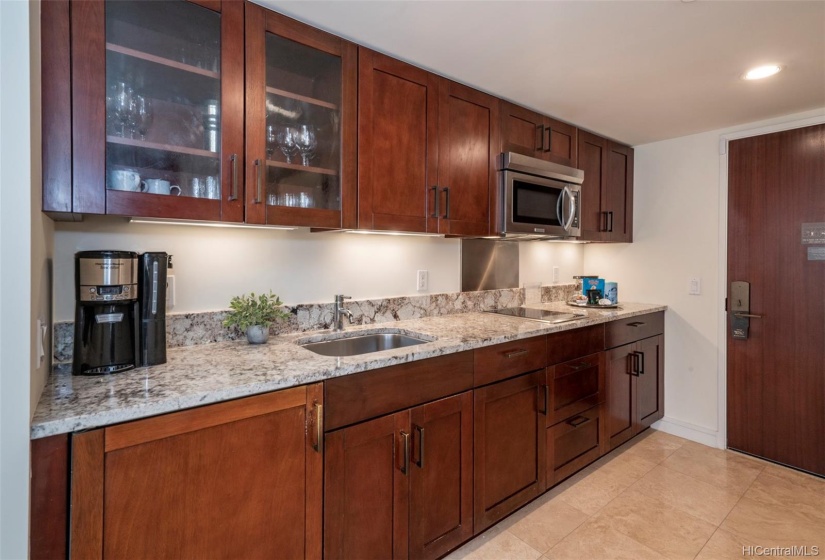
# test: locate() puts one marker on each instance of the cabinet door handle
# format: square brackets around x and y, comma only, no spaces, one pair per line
[233,162]
[577,421]
[446,192]
[641,368]
[435,202]
[610,217]
[515,353]
[631,364]
[319,426]
[540,137]
[545,396]
[258,182]
[549,132]
[420,461]
[405,442]
[604,222]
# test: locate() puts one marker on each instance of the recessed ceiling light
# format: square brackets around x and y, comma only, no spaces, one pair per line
[761,72]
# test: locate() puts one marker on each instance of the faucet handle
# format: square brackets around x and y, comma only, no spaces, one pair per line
[340,298]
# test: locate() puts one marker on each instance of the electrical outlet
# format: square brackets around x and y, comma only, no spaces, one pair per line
[694,286]
[170,291]
[555,275]
[422,280]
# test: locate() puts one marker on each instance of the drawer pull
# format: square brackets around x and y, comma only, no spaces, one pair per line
[420,462]
[636,324]
[515,353]
[405,464]
[577,421]
[583,365]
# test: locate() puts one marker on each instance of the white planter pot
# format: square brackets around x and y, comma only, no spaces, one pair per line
[256,334]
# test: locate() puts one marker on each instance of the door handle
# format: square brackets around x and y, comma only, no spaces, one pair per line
[233,194]
[420,462]
[405,442]
[435,202]
[572,208]
[603,226]
[446,192]
[640,362]
[746,315]
[540,137]
[632,368]
[545,396]
[610,217]
[319,426]
[258,182]
[549,132]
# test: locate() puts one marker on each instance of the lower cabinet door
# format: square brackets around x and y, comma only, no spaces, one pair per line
[366,490]
[621,402]
[650,394]
[240,479]
[441,476]
[509,446]
[574,443]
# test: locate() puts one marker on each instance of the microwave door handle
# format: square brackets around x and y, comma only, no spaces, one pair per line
[560,207]
[567,223]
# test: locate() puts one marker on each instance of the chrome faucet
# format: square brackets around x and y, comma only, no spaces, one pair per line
[338,313]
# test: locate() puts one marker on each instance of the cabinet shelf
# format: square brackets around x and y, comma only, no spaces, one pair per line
[164,147]
[304,98]
[161,60]
[297,167]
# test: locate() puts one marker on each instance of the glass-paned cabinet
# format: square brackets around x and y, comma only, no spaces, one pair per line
[300,124]
[160,119]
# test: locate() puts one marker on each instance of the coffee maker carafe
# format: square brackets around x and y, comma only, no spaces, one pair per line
[106,312]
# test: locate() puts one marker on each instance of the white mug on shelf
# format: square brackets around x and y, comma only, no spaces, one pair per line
[124,180]
[159,186]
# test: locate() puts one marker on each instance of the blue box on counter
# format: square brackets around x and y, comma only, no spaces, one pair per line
[593,283]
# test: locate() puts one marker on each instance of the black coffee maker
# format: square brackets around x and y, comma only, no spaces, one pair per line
[106,312]
[120,314]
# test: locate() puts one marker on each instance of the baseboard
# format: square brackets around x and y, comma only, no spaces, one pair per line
[699,434]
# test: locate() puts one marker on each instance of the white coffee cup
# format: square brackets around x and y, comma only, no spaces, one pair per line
[159,186]
[124,180]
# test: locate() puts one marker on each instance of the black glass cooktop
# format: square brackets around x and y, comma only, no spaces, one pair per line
[535,314]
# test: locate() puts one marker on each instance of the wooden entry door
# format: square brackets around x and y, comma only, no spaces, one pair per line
[776,377]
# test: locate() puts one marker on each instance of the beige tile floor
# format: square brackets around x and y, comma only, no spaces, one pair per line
[660,496]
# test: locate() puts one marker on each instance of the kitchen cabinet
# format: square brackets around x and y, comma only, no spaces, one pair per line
[239,479]
[607,190]
[398,470]
[635,377]
[401,485]
[156,126]
[426,150]
[509,446]
[301,106]
[526,132]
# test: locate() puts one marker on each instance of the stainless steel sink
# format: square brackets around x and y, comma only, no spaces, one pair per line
[364,344]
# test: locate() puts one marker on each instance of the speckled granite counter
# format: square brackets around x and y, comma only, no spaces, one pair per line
[198,375]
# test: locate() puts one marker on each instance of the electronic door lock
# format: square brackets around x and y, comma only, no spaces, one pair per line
[740,306]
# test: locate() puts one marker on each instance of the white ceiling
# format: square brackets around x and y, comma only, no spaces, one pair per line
[636,71]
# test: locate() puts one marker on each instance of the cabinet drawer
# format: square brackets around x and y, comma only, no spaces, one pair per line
[625,331]
[361,396]
[573,444]
[502,361]
[569,345]
[575,386]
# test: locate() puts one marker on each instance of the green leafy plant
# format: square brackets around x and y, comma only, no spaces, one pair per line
[248,310]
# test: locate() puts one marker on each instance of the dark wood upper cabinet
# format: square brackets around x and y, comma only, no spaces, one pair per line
[510,446]
[607,191]
[397,144]
[467,147]
[526,132]
[211,482]
[301,106]
[157,110]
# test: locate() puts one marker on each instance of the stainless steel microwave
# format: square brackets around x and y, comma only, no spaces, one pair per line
[539,199]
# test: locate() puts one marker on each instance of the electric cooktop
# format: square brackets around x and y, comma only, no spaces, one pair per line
[535,314]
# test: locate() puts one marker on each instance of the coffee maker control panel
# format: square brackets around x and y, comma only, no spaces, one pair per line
[109,293]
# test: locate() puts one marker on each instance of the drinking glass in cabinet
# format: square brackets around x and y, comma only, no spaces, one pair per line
[306,142]
[163,95]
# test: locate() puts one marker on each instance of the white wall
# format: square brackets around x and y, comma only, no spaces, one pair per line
[15,277]
[676,235]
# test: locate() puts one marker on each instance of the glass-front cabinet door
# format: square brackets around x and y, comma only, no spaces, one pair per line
[300,102]
[159,120]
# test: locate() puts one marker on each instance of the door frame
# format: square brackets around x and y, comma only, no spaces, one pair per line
[722,316]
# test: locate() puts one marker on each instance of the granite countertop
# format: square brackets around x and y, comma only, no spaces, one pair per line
[208,373]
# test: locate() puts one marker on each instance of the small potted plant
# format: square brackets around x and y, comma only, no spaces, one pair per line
[254,314]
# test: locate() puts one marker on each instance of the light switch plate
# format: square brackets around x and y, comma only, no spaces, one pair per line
[694,286]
